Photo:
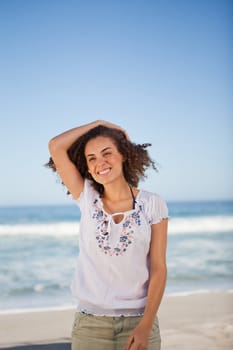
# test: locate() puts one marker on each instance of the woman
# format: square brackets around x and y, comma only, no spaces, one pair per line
[121,270]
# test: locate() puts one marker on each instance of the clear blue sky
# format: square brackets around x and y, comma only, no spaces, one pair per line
[161,69]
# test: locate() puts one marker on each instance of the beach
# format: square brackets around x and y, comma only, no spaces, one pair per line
[197,321]
[38,252]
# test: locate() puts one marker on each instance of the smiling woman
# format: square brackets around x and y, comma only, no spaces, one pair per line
[123,236]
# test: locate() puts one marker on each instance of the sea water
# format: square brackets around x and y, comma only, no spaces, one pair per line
[39,246]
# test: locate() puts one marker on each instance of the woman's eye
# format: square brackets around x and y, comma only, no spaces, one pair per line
[91,159]
[107,154]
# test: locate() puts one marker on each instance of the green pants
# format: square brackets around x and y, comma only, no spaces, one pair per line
[108,333]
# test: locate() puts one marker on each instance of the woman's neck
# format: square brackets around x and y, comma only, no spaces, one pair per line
[119,198]
[115,192]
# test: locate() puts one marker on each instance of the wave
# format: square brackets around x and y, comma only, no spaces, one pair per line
[205,224]
[50,229]
[191,225]
[64,307]
[35,289]
[198,291]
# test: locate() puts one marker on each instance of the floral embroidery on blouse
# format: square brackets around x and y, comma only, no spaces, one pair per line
[127,232]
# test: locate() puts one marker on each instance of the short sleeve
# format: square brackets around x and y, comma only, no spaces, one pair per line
[86,195]
[157,209]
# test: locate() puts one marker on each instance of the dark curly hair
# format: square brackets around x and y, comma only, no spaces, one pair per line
[136,157]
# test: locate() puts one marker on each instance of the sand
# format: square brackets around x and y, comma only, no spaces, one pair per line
[192,322]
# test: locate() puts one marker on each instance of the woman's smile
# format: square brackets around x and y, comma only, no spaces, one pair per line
[105,171]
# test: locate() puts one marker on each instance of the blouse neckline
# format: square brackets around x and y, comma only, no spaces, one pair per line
[124,213]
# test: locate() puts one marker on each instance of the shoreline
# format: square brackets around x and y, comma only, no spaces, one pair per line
[197,321]
[70,306]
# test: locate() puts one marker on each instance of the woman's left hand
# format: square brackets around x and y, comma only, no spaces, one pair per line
[138,340]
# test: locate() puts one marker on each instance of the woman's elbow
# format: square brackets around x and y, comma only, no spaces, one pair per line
[52,145]
[160,269]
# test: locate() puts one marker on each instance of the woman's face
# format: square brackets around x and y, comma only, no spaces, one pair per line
[103,160]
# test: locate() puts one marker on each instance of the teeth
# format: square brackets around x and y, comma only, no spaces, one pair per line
[105,171]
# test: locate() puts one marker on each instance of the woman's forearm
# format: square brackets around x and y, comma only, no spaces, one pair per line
[156,289]
[64,140]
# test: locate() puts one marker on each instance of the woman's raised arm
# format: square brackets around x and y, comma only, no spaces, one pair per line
[58,147]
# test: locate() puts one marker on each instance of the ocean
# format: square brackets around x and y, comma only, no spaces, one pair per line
[39,246]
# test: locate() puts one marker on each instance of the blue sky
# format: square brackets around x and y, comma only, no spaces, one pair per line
[161,69]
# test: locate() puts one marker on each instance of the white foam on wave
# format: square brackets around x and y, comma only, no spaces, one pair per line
[41,309]
[53,229]
[186,293]
[198,291]
[205,224]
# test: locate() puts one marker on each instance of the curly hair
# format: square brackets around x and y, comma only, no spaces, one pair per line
[136,157]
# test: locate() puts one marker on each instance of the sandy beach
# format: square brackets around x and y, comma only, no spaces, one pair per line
[197,321]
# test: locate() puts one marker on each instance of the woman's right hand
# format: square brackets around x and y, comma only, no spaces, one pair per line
[114,126]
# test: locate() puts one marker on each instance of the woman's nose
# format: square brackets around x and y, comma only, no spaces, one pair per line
[100,160]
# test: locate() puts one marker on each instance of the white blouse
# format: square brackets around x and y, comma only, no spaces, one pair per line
[112,272]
